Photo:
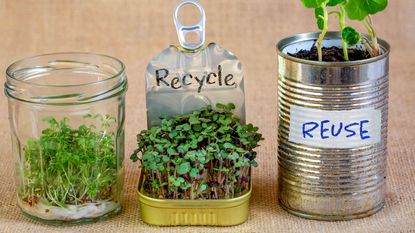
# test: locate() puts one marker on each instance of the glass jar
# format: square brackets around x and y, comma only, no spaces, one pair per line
[66,116]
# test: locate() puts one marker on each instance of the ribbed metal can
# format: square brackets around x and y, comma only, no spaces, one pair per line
[332,136]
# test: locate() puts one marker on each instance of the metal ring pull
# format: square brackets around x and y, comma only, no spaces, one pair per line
[198,28]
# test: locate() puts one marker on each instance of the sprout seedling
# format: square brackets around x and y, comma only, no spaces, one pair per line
[362,10]
[70,166]
[204,155]
[353,9]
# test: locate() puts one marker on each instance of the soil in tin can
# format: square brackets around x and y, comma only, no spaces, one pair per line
[331,54]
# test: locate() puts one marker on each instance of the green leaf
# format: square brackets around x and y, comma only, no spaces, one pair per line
[223,154]
[160,167]
[228,146]
[351,36]
[234,156]
[319,14]
[355,10]
[202,160]
[191,155]
[193,120]
[194,172]
[165,158]
[220,106]
[197,128]
[335,2]
[187,127]
[160,148]
[153,166]
[134,156]
[231,106]
[148,156]
[313,3]
[238,164]
[185,186]
[359,9]
[374,6]
[173,134]
[183,148]
[155,130]
[183,168]
[171,151]
[176,183]
[200,138]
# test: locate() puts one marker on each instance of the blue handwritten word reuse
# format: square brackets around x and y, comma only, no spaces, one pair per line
[325,129]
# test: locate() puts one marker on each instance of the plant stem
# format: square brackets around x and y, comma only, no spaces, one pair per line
[342,20]
[322,35]
[366,43]
[192,191]
[161,188]
[175,189]
[367,22]
[42,168]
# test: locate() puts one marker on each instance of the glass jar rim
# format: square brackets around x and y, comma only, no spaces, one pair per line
[65,78]
[11,74]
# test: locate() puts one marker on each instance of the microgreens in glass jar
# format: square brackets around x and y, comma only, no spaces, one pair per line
[70,166]
[67,122]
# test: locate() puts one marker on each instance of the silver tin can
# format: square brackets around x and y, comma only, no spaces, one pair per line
[333,120]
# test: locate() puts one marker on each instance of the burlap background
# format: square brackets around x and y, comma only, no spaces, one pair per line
[136,30]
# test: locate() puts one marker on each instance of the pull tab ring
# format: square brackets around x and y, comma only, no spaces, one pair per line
[198,28]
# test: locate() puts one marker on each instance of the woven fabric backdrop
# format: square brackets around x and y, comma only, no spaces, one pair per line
[136,30]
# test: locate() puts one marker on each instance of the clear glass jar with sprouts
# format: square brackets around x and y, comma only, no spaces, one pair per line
[66,116]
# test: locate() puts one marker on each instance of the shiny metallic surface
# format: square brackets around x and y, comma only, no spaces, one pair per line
[173,212]
[198,28]
[331,183]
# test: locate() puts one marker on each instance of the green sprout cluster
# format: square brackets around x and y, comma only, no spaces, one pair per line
[360,10]
[70,166]
[204,155]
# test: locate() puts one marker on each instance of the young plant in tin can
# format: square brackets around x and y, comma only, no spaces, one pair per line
[204,155]
[70,173]
[360,10]
[346,86]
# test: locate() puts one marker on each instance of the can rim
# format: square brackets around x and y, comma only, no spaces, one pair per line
[296,38]
[184,203]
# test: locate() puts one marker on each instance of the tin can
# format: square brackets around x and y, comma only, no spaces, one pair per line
[180,80]
[333,120]
[174,212]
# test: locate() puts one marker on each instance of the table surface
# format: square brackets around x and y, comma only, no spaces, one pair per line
[136,30]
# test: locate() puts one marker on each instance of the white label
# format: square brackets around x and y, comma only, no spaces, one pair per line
[335,129]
